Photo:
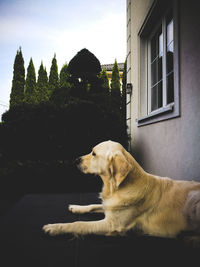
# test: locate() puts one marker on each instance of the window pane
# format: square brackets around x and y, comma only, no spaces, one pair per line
[154,72]
[157,70]
[160,69]
[160,95]
[170,61]
[170,58]
[161,45]
[170,88]
[156,96]
[170,46]
[170,34]
[153,48]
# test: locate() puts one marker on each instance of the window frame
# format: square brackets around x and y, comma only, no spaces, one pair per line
[154,21]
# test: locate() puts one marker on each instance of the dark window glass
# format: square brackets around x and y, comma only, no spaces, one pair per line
[170,58]
[156,96]
[153,48]
[170,87]
[156,69]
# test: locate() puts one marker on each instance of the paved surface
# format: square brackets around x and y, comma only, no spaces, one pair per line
[24,244]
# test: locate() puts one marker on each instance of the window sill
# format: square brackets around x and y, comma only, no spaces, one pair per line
[160,114]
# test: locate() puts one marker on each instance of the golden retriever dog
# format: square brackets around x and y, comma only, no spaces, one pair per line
[133,198]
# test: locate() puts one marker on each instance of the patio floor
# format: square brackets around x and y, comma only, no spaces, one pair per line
[24,244]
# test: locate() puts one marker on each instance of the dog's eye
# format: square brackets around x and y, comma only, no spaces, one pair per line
[93,154]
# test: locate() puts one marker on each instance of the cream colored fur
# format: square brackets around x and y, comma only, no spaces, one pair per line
[133,198]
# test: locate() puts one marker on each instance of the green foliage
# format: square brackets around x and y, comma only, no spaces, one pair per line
[64,77]
[62,94]
[48,135]
[115,82]
[84,65]
[42,85]
[47,131]
[124,76]
[53,76]
[105,81]
[31,93]
[124,82]
[18,82]
[116,100]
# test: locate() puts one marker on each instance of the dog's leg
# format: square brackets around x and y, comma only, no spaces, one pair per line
[94,208]
[102,227]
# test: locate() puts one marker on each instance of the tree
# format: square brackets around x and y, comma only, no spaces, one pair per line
[84,66]
[64,77]
[105,81]
[18,82]
[53,76]
[61,96]
[115,82]
[124,82]
[30,85]
[116,91]
[42,85]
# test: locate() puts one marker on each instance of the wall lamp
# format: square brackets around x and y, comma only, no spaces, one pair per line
[129,87]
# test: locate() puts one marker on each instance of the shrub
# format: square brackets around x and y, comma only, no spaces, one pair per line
[47,131]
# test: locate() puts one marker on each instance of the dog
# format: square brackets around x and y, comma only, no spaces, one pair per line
[133,199]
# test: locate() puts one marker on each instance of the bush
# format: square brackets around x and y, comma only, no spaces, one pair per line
[47,131]
[38,145]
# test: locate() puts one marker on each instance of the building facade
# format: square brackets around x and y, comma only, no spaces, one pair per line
[163,66]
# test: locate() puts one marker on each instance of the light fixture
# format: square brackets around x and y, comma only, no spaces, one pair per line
[129,88]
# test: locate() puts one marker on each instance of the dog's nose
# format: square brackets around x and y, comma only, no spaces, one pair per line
[78,161]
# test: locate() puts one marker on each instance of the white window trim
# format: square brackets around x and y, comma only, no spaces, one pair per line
[172,110]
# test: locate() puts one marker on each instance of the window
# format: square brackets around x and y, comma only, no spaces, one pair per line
[170,59]
[156,70]
[158,35]
[161,72]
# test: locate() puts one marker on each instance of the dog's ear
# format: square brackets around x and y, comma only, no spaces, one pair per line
[119,168]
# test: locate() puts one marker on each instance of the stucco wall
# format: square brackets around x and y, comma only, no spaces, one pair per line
[172,147]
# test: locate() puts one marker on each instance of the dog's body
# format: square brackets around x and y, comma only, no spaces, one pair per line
[133,198]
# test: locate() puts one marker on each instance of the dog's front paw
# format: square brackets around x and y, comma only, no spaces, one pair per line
[74,208]
[53,229]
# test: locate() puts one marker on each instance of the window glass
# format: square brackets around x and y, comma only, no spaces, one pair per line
[158,57]
[170,47]
[170,57]
[153,48]
[156,96]
[170,87]
[156,69]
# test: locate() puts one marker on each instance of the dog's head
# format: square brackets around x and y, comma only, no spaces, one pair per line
[107,159]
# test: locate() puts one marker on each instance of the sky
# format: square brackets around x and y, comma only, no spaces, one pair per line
[43,28]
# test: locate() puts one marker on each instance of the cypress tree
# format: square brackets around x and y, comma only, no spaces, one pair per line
[53,76]
[30,85]
[42,85]
[116,102]
[64,77]
[18,82]
[61,96]
[105,81]
[115,82]
[124,82]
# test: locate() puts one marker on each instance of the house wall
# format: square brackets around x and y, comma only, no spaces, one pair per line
[171,147]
